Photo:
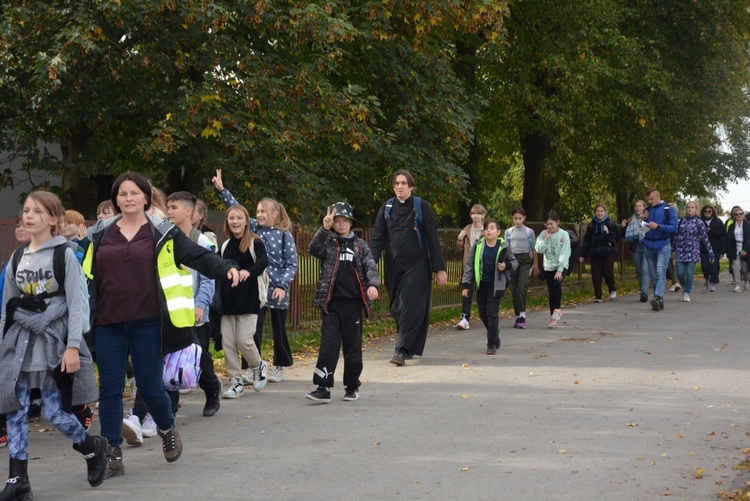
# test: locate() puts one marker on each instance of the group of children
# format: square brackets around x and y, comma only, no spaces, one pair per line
[492,263]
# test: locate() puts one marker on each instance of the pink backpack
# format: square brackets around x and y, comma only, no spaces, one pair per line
[182,368]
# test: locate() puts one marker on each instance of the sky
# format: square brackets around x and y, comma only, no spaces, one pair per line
[736,194]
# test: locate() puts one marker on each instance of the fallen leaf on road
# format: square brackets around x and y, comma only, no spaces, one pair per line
[632,424]
[465,468]
[679,435]
[562,451]
[376,443]
[639,458]
[464,396]
[699,473]
[576,382]
[697,388]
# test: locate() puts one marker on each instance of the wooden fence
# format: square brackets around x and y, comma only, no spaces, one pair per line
[301,311]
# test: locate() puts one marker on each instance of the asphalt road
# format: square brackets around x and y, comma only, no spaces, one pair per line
[619,402]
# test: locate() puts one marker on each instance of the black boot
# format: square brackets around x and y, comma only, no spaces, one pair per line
[17,487]
[94,451]
[213,401]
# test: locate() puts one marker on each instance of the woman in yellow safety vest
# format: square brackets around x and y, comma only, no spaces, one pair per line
[142,305]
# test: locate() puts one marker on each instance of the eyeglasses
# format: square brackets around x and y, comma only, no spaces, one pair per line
[707,210]
[738,214]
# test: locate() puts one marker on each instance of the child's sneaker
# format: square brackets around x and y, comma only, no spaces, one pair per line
[259,376]
[247,377]
[520,323]
[115,468]
[613,295]
[351,394]
[171,443]
[148,426]
[463,325]
[132,431]
[276,375]
[35,410]
[235,388]
[321,395]
[86,416]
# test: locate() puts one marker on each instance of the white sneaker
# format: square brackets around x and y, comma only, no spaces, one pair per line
[149,427]
[132,431]
[235,388]
[260,374]
[738,289]
[463,325]
[276,375]
[613,295]
[744,284]
[686,297]
[247,376]
[676,288]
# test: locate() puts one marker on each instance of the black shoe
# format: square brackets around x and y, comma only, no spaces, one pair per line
[35,411]
[351,394]
[212,405]
[321,395]
[398,359]
[661,304]
[85,415]
[17,487]
[644,297]
[115,468]
[94,451]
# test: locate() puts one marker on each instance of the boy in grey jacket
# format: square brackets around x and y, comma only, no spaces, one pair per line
[488,266]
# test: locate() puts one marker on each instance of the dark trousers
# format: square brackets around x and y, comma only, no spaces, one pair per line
[410,290]
[710,270]
[208,381]
[341,327]
[489,313]
[282,352]
[466,303]
[554,290]
[603,266]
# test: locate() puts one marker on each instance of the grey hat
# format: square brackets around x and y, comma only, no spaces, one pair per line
[343,209]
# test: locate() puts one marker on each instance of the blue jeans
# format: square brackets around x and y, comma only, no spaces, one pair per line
[142,339]
[641,268]
[658,259]
[685,275]
[710,270]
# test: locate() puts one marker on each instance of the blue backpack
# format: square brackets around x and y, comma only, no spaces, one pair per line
[418,218]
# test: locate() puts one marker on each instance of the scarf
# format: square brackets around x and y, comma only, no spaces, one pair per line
[632,231]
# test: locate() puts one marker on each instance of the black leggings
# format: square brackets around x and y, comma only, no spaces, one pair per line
[554,288]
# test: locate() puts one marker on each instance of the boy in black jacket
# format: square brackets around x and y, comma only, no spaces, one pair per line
[349,282]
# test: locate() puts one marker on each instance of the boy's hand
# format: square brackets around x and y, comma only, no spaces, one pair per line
[233,276]
[198,311]
[328,220]
[465,292]
[244,275]
[501,266]
[218,184]
[372,293]
[70,361]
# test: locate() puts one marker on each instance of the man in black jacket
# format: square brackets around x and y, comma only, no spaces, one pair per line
[406,230]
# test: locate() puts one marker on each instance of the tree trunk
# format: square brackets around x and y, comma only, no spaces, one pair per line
[539,194]
[76,186]
[466,70]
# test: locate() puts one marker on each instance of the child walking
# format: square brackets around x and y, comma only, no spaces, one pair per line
[272,225]
[241,304]
[466,238]
[554,244]
[521,240]
[43,347]
[348,283]
[487,267]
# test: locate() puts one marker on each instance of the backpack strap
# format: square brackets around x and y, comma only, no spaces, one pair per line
[195,235]
[58,265]
[17,255]
[418,217]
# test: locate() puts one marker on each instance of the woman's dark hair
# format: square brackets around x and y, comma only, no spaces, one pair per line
[708,206]
[140,181]
[406,174]
[518,210]
[552,215]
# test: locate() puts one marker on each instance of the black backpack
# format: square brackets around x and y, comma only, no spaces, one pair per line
[574,253]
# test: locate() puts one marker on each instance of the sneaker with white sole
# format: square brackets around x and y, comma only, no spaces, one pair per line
[321,396]
[235,388]
[686,297]
[149,427]
[171,443]
[738,289]
[260,375]
[351,394]
[276,374]
[247,377]
[712,288]
[676,288]
[132,431]
[463,325]
[613,295]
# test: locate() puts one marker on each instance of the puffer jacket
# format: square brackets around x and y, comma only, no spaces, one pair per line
[598,243]
[326,247]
